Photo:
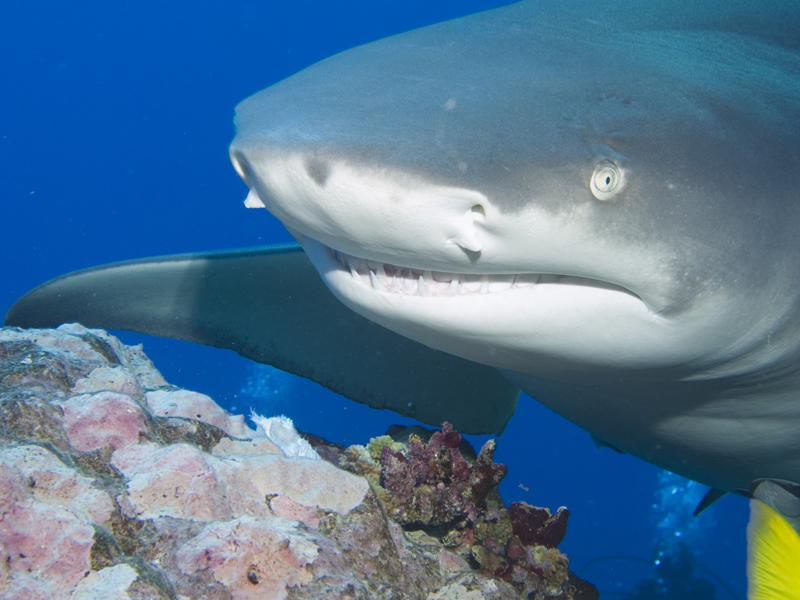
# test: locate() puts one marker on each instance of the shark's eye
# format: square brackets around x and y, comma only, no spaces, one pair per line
[606,180]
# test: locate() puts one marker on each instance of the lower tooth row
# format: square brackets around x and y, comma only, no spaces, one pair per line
[429,282]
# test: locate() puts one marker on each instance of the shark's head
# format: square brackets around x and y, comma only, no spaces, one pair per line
[548,195]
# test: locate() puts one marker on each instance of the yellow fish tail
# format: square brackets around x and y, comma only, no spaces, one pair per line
[773,556]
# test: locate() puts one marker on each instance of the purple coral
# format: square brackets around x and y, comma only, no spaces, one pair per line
[432,484]
[536,526]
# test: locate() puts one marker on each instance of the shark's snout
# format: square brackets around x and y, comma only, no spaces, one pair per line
[367,210]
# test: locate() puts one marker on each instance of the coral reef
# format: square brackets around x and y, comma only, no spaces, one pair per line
[432,487]
[114,484]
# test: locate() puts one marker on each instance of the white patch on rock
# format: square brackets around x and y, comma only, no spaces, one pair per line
[280,430]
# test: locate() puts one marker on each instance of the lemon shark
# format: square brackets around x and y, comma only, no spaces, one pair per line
[596,203]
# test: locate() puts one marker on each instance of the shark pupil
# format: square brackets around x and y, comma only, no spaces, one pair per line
[606,180]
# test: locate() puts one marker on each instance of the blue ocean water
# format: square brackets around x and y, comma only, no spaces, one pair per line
[114,124]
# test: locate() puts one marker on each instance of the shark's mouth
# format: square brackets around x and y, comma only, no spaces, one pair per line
[393,279]
[504,320]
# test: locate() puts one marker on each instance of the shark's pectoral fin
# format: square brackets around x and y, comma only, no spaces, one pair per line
[711,496]
[780,494]
[598,444]
[269,305]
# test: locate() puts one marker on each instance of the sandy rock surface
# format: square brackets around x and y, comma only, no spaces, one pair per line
[116,485]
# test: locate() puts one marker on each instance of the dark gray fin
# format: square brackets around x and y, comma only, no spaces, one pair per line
[269,305]
[780,494]
[598,443]
[711,496]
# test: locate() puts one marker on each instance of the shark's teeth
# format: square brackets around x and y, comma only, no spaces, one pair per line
[392,279]
[453,287]
[469,282]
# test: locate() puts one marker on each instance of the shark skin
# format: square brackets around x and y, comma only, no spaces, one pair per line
[598,201]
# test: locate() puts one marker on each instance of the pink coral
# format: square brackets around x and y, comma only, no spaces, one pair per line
[174,481]
[107,418]
[45,542]
[253,558]
[192,405]
[287,508]
[49,480]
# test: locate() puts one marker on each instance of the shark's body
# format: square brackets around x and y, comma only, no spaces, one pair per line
[674,335]
[602,203]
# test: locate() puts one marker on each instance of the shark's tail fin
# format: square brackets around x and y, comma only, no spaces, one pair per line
[773,555]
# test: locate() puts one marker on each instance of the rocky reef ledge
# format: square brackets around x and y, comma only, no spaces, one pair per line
[116,485]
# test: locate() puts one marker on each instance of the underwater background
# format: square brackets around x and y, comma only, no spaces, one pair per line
[115,120]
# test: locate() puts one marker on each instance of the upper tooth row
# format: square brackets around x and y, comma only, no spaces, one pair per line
[390,278]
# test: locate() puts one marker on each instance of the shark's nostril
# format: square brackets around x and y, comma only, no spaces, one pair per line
[318,170]
[467,236]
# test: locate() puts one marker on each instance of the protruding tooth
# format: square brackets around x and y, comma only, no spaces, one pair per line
[453,289]
[353,271]
[421,286]
[374,280]
[485,284]
[381,271]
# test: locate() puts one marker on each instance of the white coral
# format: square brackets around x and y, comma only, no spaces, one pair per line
[281,432]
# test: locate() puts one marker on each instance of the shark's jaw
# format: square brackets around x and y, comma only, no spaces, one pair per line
[522,322]
[390,279]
